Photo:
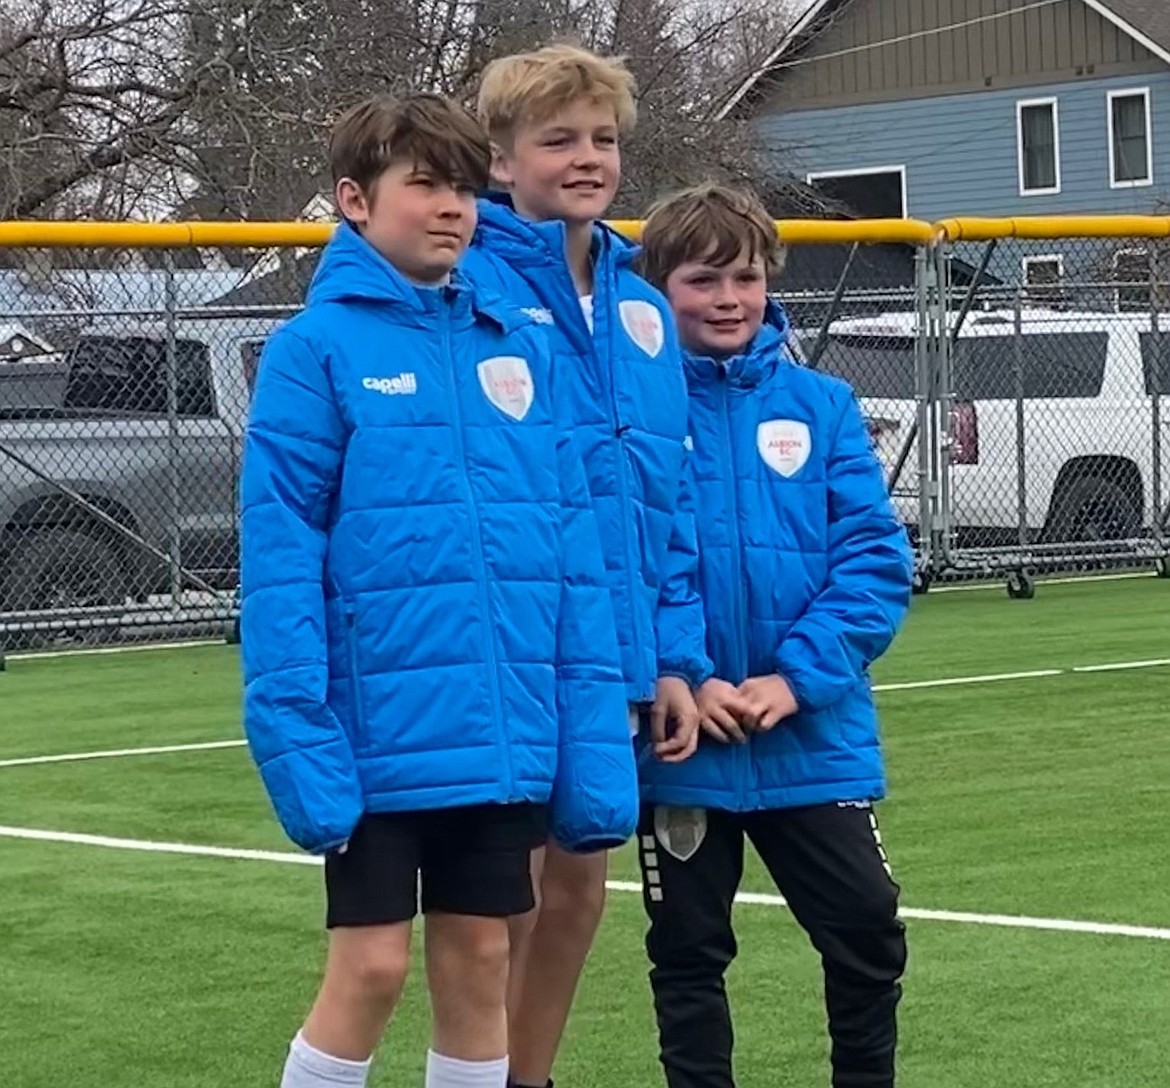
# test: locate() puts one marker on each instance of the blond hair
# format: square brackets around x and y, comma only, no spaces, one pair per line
[531,87]
[710,223]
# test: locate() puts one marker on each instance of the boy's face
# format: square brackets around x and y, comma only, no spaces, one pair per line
[418,222]
[718,310]
[566,167]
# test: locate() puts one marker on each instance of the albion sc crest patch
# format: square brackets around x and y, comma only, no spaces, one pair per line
[784,445]
[644,324]
[681,831]
[507,382]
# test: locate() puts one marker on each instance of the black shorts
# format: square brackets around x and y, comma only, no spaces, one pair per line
[469,860]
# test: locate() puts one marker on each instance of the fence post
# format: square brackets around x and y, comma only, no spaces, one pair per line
[1018,368]
[1157,374]
[923,359]
[172,390]
[943,394]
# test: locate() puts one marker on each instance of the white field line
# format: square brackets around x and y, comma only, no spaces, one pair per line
[1031,674]
[912,685]
[1007,921]
[116,753]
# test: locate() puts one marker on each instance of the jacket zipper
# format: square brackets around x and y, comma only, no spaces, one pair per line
[355,682]
[481,565]
[618,430]
[609,378]
[739,592]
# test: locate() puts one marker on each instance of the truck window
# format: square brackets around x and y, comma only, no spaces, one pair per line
[128,374]
[1155,349]
[1053,365]
[251,351]
[876,366]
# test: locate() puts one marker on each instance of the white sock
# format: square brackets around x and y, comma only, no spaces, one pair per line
[308,1067]
[445,1072]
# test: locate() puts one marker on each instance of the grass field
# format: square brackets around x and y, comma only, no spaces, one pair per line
[1042,797]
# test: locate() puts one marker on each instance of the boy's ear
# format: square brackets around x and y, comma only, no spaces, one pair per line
[351,201]
[501,171]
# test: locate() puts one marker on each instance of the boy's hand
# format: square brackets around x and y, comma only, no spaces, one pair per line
[769,700]
[673,702]
[721,708]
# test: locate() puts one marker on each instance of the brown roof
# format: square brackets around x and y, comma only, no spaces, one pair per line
[1150,18]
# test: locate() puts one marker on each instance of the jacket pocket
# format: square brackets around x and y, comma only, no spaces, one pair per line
[355,676]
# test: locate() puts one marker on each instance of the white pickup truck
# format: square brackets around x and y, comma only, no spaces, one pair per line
[1080,399]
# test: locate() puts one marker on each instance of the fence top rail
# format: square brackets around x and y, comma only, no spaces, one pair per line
[828,231]
[52,234]
[37,234]
[1038,227]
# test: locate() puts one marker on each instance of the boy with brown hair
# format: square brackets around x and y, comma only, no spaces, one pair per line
[805,575]
[556,117]
[430,664]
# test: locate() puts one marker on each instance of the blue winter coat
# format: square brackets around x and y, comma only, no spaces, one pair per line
[425,621]
[805,571]
[625,398]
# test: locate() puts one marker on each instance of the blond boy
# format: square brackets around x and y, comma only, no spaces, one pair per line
[556,118]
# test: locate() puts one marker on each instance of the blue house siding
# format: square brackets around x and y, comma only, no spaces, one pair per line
[960,154]
[960,151]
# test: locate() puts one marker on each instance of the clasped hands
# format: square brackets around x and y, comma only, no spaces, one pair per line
[724,712]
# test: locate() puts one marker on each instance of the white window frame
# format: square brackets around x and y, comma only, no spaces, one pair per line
[1138,183]
[1022,105]
[1137,284]
[863,171]
[1056,288]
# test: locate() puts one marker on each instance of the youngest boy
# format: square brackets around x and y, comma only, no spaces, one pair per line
[805,575]
[428,639]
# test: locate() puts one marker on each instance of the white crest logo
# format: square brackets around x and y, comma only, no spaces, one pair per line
[644,324]
[680,830]
[507,382]
[784,444]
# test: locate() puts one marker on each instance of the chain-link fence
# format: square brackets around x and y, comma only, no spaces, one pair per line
[1054,446]
[1015,391]
[124,383]
[1016,396]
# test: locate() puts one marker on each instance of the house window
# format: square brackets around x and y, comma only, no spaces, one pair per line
[877,192]
[1038,137]
[1131,273]
[1043,278]
[1131,160]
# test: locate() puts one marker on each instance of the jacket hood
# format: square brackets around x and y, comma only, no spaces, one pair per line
[528,243]
[755,363]
[351,269]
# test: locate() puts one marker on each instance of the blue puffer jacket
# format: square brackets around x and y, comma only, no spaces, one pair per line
[624,396]
[425,620]
[805,571]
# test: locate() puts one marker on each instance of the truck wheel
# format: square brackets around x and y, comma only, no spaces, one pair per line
[1092,508]
[57,568]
